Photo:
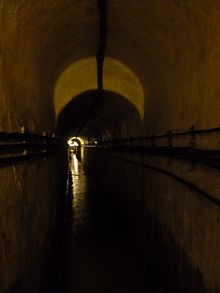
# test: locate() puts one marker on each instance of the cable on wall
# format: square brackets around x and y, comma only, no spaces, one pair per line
[100,56]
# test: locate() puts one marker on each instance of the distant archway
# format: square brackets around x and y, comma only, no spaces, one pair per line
[113,117]
[75,147]
[81,76]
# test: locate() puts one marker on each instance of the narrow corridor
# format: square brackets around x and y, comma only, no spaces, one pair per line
[96,252]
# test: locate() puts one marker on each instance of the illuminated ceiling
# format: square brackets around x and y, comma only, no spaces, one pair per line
[82,76]
[161,55]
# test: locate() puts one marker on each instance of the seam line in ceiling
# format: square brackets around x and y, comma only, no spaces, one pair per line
[100,56]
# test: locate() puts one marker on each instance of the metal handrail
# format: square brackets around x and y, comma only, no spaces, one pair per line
[209,158]
[170,134]
[190,184]
[16,147]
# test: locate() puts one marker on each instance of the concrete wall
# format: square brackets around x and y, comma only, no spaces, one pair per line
[28,198]
[28,215]
[29,190]
[175,229]
[174,50]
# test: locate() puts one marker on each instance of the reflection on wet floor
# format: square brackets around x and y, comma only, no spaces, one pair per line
[97,259]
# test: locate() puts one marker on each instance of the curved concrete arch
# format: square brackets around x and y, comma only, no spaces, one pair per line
[82,76]
[106,121]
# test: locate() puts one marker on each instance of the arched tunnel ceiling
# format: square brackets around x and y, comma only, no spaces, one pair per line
[38,40]
[82,76]
[171,46]
[105,122]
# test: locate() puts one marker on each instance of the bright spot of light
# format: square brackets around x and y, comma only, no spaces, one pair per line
[72,143]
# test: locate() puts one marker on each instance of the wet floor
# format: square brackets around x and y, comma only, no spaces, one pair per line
[97,256]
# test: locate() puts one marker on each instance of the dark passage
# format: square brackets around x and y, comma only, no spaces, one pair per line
[97,253]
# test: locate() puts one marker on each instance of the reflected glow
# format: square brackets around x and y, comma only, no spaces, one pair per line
[75,164]
[82,76]
[79,202]
[75,170]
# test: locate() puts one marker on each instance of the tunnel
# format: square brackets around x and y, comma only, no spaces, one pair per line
[109,146]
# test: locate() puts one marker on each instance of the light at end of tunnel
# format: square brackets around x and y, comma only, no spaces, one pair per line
[72,142]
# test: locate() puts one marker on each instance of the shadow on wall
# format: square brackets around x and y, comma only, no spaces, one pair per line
[107,117]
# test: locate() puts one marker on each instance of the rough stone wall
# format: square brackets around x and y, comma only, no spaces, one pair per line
[28,191]
[28,215]
[175,229]
[174,50]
